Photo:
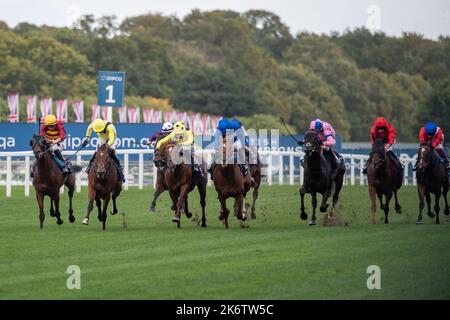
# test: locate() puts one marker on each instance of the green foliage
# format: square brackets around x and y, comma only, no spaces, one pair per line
[226,63]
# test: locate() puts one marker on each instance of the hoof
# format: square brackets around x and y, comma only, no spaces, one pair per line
[173,207]
[313,222]
[85,221]
[419,221]
[398,210]
[447,212]
[113,212]
[71,219]
[188,214]
[152,209]
[303,216]
[203,225]
[221,217]
[253,216]
[52,213]
[99,218]
[243,217]
[431,214]
[176,219]
[323,209]
[59,222]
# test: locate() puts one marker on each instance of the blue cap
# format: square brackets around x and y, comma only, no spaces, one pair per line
[318,126]
[235,124]
[223,125]
[431,128]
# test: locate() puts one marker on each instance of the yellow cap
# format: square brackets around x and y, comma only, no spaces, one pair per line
[50,120]
[98,125]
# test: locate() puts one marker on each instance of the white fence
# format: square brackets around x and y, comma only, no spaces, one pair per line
[283,167]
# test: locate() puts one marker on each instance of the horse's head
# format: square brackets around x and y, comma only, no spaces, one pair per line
[378,152]
[158,159]
[312,143]
[424,156]
[39,146]
[102,161]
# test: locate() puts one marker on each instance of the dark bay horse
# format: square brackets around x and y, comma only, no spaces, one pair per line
[431,178]
[317,177]
[103,184]
[255,173]
[161,186]
[383,179]
[230,183]
[48,180]
[180,180]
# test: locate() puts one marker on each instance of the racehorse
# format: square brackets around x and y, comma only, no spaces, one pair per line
[180,180]
[229,181]
[161,186]
[383,179]
[317,177]
[48,180]
[431,178]
[103,184]
[255,172]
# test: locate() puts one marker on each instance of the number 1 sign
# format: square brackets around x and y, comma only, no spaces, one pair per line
[110,88]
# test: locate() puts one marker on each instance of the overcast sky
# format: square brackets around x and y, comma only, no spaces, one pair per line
[428,17]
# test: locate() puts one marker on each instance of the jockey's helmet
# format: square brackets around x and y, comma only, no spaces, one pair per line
[381,123]
[318,125]
[431,128]
[98,125]
[235,124]
[167,127]
[50,120]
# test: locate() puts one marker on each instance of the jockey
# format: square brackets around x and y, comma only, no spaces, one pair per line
[384,130]
[183,136]
[434,135]
[55,134]
[107,134]
[327,135]
[165,130]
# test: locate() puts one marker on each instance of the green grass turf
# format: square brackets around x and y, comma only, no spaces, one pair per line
[278,257]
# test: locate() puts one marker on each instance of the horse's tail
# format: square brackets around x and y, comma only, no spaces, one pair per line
[76,169]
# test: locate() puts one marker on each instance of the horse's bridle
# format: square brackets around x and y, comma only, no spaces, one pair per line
[428,163]
[310,147]
[39,142]
[96,166]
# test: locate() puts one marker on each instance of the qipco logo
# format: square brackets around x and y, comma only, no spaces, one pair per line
[112,78]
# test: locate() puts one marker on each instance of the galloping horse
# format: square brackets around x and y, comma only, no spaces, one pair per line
[48,180]
[383,179]
[255,172]
[104,183]
[230,182]
[317,178]
[431,178]
[161,186]
[180,180]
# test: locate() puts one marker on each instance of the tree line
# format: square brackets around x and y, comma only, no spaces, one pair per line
[239,64]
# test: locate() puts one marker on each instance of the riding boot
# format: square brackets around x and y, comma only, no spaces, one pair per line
[119,167]
[90,163]
[65,169]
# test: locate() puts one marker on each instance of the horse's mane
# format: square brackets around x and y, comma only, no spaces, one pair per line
[378,146]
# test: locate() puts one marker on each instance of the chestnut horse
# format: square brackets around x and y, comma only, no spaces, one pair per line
[383,179]
[318,179]
[255,173]
[175,161]
[230,183]
[48,180]
[431,178]
[104,184]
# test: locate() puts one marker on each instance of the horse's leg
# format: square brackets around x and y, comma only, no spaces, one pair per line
[303,214]
[444,194]
[255,197]
[174,198]
[71,186]
[157,193]
[98,203]
[115,194]
[240,207]
[52,210]
[314,206]
[105,208]
[421,192]
[373,200]
[180,203]
[380,197]
[337,190]
[91,198]
[186,209]
[386,208]
[40,201]
[437,198]
[324,206]
[398,208]
[59,221]
[428,197]
[202,192]
[224,211]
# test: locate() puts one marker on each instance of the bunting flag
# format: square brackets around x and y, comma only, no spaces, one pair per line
[13,105]
[46,107]
[61,110]
[107,114]
[174,117]
[134,115]
[123,114]
[167,116]
[78,110]
[95,112]
[157,116]
[31,109]
[148,115]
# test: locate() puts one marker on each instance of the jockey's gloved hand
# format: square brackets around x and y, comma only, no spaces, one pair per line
[85,142]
